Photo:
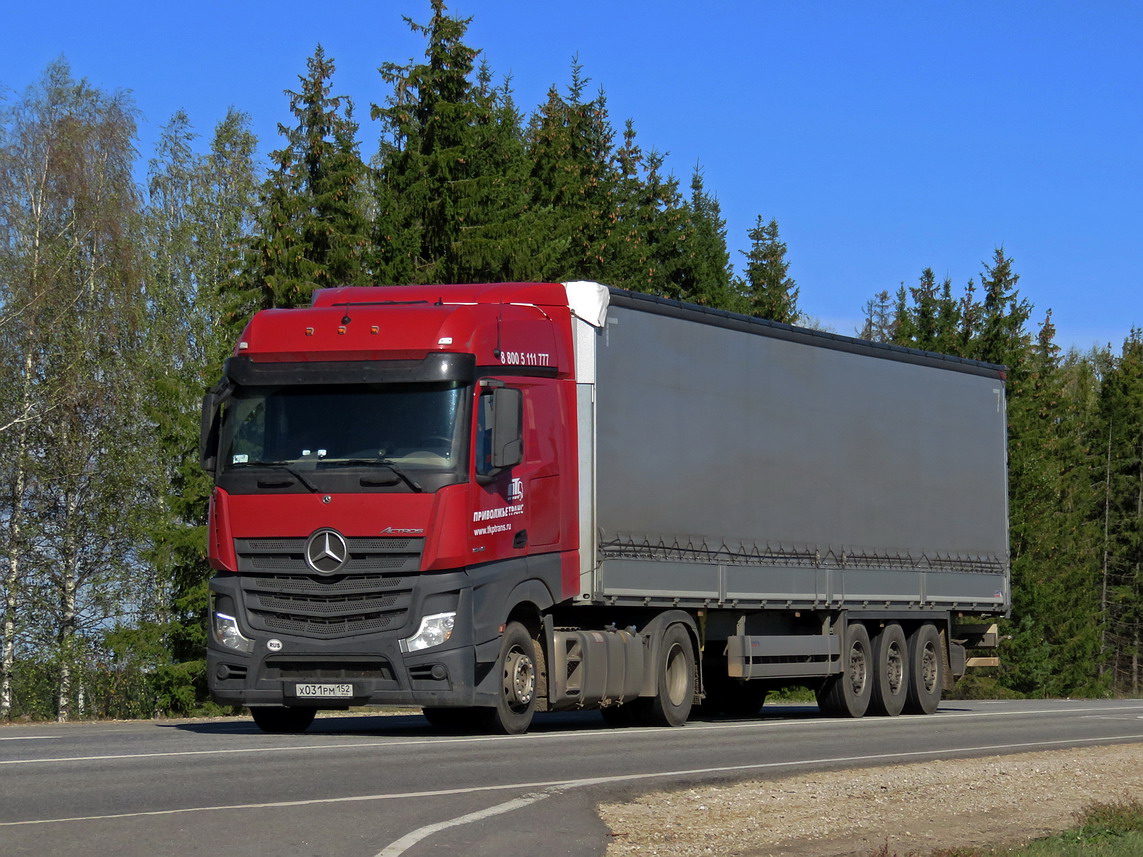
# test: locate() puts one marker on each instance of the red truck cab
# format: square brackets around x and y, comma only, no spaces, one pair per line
[395,486]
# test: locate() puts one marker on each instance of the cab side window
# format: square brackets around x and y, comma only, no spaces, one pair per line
[483,452]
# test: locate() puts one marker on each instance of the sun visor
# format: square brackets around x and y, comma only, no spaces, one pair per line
[439,367]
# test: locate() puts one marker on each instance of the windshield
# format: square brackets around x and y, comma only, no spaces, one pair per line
[315,428]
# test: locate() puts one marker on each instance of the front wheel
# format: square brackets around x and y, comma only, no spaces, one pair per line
[674,681]
[518,670]
[283,720]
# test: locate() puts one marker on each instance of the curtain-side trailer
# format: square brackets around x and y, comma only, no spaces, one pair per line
[492,500]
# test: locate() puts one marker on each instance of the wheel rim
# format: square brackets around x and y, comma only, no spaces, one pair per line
[858,669]
[895,668]
[519,679]
[678,679]
[929,667]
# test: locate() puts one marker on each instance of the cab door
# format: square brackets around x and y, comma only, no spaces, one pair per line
[517,507]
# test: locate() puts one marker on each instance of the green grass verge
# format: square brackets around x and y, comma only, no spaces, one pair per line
[1105,830]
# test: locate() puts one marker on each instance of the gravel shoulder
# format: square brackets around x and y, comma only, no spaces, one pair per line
[915,808]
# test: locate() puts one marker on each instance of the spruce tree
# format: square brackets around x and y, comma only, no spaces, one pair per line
[573,184]
[704,274]
[1000,335]
[1053,543]
[313,232]
[645,247]
[1121,413]
[768,289]
[924,309]
[930,318]
[904,324]
[450,191]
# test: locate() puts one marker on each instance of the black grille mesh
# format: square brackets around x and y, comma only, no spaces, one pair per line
[373,592]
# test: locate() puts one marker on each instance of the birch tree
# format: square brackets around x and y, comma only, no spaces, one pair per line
[72,321]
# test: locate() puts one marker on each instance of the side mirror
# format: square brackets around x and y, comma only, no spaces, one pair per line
[208,430]
[507,427]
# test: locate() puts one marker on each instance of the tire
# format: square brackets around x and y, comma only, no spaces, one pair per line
[848,694]
[926,671]
[890,672]
[674,681]
[518,670]
[283,721]
[452,719]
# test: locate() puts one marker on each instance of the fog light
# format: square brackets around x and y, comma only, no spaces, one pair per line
[434,630]
[226,634]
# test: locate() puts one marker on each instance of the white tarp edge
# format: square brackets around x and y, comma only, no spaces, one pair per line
[588,301]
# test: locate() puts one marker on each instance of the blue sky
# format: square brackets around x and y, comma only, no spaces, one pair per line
[883,136]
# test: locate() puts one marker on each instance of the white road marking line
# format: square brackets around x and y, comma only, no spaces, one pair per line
[832,724]
[580,783]
[410,839]
[234,751]
[30,738]
[285,804]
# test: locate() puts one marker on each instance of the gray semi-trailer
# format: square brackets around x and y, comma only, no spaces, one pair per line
[491,500]
[797,492]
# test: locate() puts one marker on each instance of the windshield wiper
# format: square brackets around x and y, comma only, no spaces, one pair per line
[288,468]
[387,463]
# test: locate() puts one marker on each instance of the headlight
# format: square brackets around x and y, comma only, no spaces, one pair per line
[227,634]
[434,630]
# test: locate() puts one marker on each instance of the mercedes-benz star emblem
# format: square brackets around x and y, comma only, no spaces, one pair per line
[326,551]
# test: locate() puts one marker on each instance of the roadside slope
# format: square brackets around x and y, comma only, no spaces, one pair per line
[914,808]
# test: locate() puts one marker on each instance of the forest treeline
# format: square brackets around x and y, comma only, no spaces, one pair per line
[119,299]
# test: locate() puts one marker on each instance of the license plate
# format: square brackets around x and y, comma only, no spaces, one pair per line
[313,690]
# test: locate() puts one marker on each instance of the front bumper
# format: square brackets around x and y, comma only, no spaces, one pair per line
[341,652]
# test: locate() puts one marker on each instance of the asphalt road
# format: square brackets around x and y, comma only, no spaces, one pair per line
[388,785]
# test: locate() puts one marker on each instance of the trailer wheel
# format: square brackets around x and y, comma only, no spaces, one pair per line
[848,693]
[516,700]
[891,671]
[283,720]
[926,671]
[674,680]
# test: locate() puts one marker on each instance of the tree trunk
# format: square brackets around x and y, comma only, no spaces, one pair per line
[1106,544]
[15,538]
[1135,665]
[69,590]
